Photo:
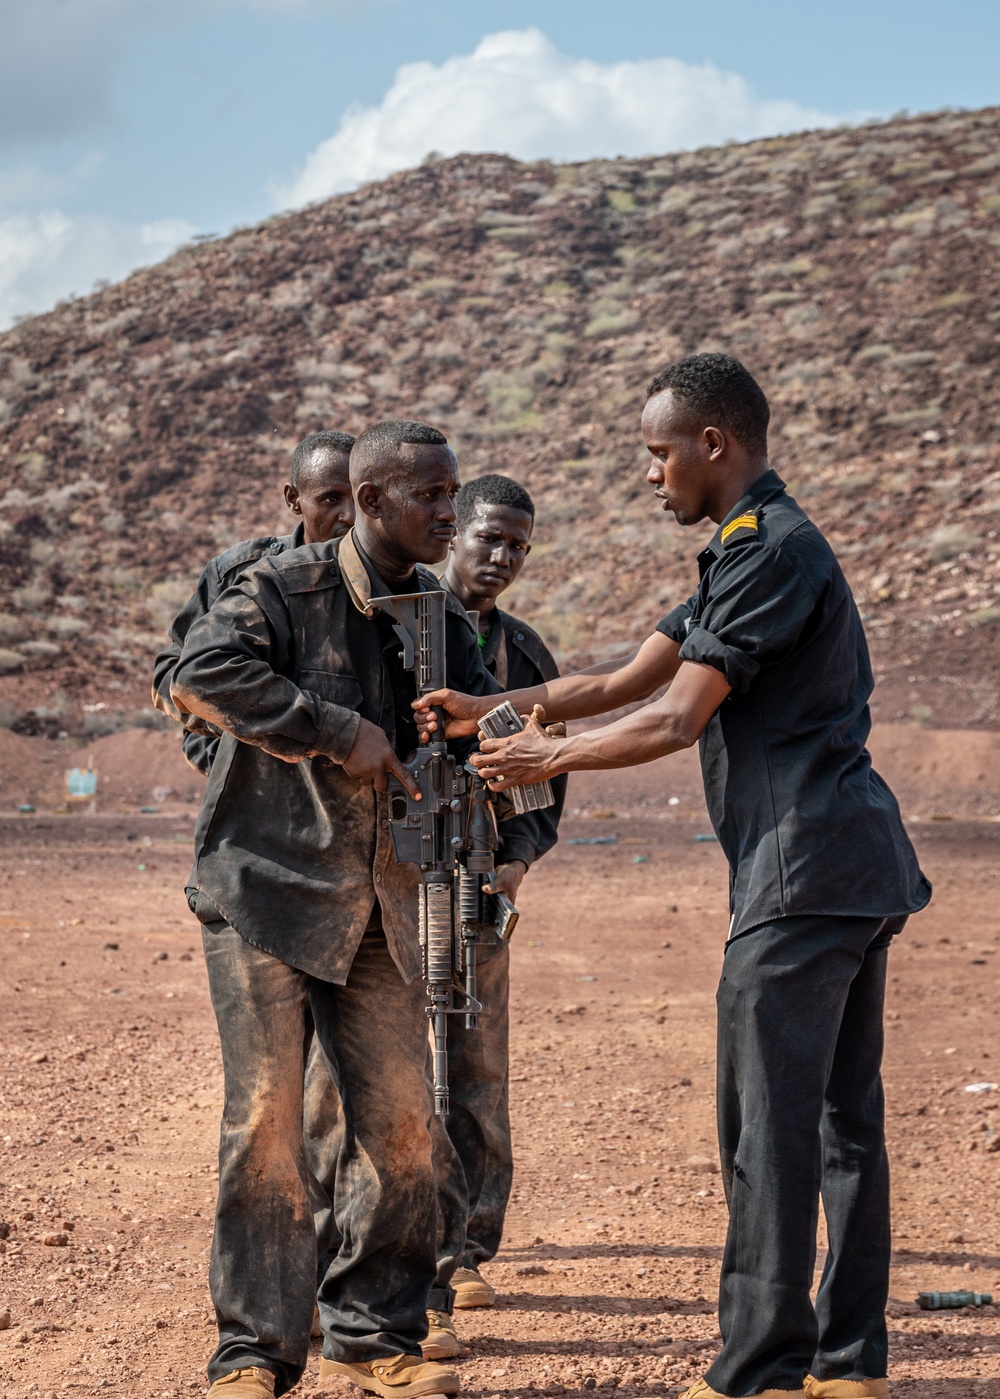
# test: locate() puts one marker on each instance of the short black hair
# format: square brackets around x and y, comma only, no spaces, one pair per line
[719,390]
[375,455]
[336,443]
[491,489]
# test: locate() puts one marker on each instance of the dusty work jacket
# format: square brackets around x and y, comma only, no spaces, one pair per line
[291,851]
[200,741]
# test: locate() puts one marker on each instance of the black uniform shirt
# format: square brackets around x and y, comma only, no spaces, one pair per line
[807,826]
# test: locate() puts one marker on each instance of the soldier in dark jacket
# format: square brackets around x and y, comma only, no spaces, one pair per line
[495,520]
[319,492]
[303,903]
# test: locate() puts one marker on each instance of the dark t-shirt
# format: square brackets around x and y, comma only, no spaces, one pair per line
[806,823]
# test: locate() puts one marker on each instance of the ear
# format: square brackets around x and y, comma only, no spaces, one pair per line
[527,550]
[715,441]
[292,499]
[369,500]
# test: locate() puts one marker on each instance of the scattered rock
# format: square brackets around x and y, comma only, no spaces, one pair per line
[533,1270]
[4,1321]
[55,1240]
[704,1165]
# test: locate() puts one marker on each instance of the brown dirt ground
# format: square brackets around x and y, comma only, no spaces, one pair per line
[111,1088]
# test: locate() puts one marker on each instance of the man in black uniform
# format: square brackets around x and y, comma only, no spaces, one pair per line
[495,520]
[303,904]
[319,492]
[768,667]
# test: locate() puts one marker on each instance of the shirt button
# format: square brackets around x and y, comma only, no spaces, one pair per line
[385,825]
[519,636]
[378,879]
[333,568]
[276,545]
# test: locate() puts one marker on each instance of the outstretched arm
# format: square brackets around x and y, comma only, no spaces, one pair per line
[676,721]
[578,696]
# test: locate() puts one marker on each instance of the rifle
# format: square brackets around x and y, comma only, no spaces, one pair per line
[451,833]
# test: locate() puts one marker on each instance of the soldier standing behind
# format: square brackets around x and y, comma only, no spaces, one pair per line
[319,492]
[495,520]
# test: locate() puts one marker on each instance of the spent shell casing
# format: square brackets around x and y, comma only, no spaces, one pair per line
[948,1301]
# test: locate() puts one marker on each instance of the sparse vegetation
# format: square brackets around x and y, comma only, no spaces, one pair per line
[522,308]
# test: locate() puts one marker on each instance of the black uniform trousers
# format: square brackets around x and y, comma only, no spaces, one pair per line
[801,1115]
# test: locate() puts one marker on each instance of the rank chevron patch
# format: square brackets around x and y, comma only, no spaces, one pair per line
[743,527]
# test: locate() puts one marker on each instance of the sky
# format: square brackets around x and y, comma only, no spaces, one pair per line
[129,126]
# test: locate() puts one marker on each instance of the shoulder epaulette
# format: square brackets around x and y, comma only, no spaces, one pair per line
[743,527]
[239,556]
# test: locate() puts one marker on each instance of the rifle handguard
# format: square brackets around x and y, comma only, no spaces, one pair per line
[501,722]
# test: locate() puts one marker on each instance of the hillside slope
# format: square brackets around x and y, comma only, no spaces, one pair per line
[522,308]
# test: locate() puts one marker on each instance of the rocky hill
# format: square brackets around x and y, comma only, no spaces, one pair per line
[522,308]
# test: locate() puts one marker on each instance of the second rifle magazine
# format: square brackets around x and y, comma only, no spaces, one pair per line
[501,722]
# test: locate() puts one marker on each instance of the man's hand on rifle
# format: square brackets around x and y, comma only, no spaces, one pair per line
[371,759]
[463,711]
[507,879]
[530,756]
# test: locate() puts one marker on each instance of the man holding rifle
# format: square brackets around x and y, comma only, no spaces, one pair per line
[302,901]
[768,667]
[496,517]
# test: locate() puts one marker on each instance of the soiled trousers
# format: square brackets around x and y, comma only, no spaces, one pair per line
[473,1163]
[479,1121]
[801,1116]
[376,1288]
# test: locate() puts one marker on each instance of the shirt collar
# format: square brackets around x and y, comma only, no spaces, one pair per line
[765,488]
[361,577]
[355,575]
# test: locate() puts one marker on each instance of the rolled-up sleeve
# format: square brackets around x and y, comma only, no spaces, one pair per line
[230,673]
[675,624]
[756,606]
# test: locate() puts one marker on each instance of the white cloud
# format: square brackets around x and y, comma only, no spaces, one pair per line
[518,94]
[47,255]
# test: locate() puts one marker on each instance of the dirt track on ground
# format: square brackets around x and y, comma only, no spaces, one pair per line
[111,1092]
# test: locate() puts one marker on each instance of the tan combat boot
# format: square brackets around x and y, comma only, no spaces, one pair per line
[846,1389]
[472,1289]
[702,1390]
[442,1342]
[252,1383]
[396,1377]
